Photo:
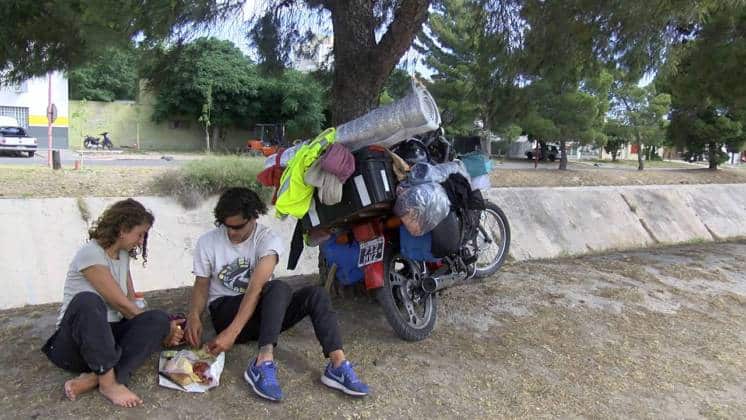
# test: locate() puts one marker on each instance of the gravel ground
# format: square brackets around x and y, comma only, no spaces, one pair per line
[659,333]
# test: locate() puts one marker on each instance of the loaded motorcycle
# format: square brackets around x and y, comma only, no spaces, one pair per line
[364,227]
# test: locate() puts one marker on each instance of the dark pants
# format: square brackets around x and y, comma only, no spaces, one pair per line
[280,308]
[86,342]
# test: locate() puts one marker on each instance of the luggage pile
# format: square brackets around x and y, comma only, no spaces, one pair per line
[351,173]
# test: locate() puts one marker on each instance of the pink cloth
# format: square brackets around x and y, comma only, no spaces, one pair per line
[338,160]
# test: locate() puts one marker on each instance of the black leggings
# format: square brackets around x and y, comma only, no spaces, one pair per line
[280,308]
[86,342]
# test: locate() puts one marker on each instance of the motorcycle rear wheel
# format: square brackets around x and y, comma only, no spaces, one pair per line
[492,253]
[411,312]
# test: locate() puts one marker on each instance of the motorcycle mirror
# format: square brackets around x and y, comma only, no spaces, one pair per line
[447,117]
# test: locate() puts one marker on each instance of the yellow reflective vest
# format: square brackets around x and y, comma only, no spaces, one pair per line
[294,196]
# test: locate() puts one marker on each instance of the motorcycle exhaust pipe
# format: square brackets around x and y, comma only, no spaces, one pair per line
[434,284]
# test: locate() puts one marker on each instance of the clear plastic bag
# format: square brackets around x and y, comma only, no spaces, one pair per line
[421,173]
[421,207]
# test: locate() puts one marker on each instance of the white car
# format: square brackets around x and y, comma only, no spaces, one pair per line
[13,138]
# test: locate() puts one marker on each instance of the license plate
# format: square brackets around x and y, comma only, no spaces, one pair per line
[370,251]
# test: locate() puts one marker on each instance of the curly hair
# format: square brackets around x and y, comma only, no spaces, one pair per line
[239,200]
[121,216]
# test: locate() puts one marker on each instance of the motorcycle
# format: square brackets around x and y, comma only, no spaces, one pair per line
[408,288]
[91,142]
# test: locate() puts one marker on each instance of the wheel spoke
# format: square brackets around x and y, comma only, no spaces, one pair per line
[396,279]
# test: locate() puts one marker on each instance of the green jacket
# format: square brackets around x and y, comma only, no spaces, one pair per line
[294,196]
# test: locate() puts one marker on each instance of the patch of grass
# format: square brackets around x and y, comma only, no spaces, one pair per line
[85,213]
[198,179]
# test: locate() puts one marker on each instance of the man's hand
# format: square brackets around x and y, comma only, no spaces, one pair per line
[176,336]
[222,343]
[194,331]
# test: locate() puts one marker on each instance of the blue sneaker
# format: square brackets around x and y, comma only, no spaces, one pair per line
[263,380]
[344,379]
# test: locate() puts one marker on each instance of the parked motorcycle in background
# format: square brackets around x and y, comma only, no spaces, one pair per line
[91,142]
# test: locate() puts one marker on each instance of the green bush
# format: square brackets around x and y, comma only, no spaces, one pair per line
[198,179]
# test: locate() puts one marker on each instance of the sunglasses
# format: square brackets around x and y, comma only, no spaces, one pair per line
[237,227]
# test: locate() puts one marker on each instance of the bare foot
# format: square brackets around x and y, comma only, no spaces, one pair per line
[80,385]
[120,395]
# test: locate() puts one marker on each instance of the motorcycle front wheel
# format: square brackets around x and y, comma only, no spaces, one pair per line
[87,144]
[493,240]
[408,309]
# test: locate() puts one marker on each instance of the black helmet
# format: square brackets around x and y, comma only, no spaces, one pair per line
[412,151]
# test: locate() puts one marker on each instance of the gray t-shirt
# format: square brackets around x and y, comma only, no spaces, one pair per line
[89,255]
[228,265]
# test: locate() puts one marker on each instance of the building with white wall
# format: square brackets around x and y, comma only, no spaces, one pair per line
[27,103]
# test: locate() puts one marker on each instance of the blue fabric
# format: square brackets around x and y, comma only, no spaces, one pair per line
[344,379]
[417,248]
[477,164]
[345,256]
[263,380]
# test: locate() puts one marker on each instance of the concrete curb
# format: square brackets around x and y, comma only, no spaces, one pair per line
[40,236]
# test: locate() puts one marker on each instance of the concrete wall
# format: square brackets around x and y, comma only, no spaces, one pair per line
[555,222]
[39,236]
[129,124]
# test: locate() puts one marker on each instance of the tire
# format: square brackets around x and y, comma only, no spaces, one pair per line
[30,154]
[87,144]
[412,319]
[491,263]
[529,156]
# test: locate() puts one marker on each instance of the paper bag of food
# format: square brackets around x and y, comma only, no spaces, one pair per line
[190,370]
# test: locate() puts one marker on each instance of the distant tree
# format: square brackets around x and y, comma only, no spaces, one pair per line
[475,68]
[705,80]
[642,110]
[112,75]
[569,114]
[39,36]
[617,136]
[211,81]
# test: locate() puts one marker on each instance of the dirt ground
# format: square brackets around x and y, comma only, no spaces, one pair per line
[659,333]
[20,181]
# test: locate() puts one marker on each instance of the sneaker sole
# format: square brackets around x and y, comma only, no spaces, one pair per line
[256,390]
[331,383]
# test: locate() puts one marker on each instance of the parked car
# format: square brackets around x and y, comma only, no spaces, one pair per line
[544,151]
[14,140]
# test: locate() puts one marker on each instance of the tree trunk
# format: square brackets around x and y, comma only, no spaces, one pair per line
[207,138]
[713,153]
[362,66]
[563,156]
[640,165]
[613,155]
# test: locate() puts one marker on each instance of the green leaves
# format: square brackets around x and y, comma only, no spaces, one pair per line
[211,81]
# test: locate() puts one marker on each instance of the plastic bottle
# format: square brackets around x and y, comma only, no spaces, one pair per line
[140,300]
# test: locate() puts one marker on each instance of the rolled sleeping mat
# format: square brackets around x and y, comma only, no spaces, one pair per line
[413,114]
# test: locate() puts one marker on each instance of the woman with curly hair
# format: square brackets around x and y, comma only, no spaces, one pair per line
[100,330]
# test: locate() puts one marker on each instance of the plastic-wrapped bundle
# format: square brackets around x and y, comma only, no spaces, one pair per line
[414,114]
[421,207]
[422,172]
[286,156]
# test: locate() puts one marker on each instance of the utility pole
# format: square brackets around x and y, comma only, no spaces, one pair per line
[49,119]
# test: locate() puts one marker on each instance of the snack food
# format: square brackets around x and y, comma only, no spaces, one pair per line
[186,367]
